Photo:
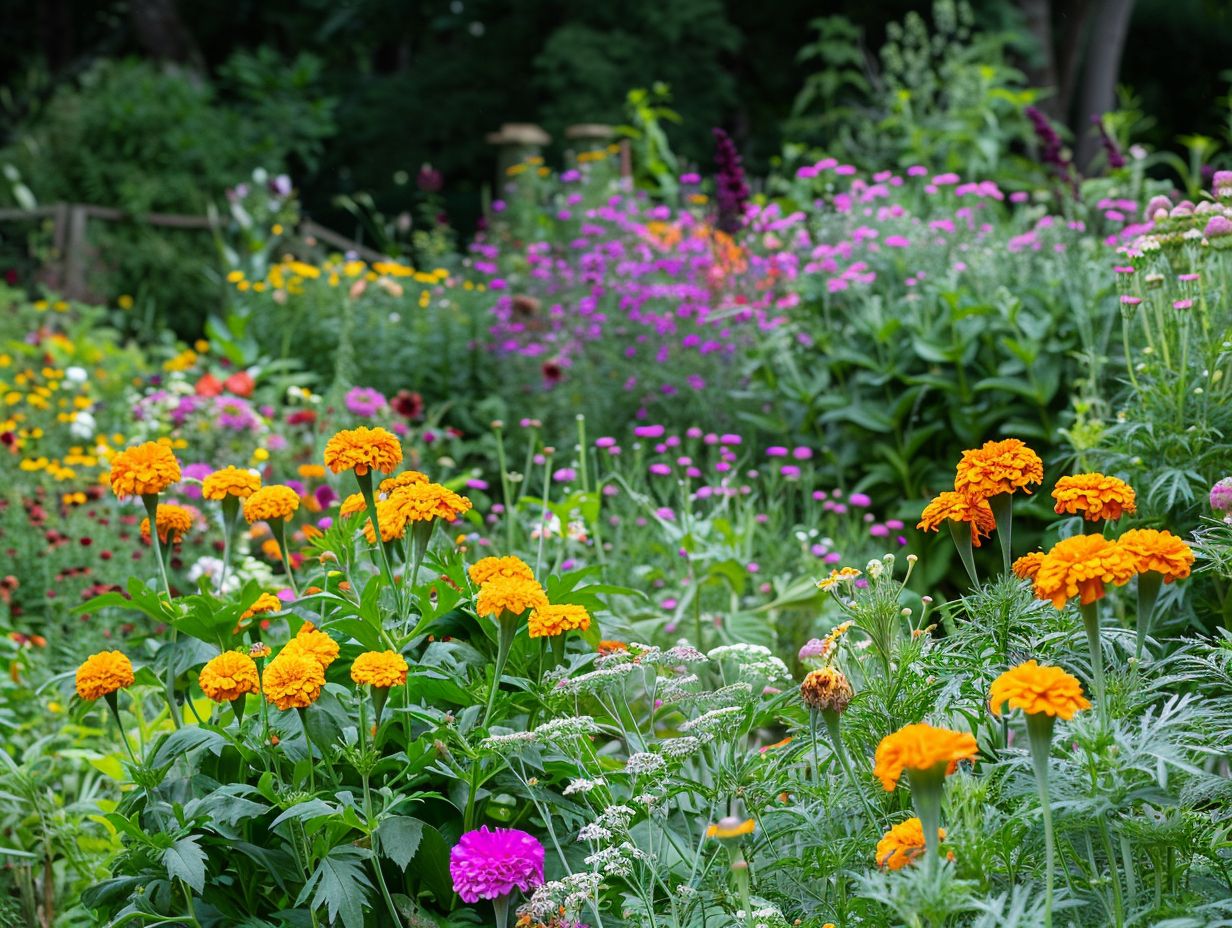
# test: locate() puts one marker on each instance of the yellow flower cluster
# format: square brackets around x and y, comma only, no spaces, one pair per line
[996,468]
[228,677]
[902,844]
[509,594]
[102,674]
[271,503]
[381,669]
[416,502]
[144,470]
[1095,496]
[488,568]
[173,523]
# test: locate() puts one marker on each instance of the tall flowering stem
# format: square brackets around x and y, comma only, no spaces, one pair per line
[1090,623]
[279,528]
[382,558]
[961,535]
[1003,511]
[151,506]
[507,630]
[230,522]
[1039,734]
[1148,592]
[927,789]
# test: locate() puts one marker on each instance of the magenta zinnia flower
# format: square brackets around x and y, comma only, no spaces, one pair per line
[489,864]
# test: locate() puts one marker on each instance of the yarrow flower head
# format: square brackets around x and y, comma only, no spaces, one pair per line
[230,482]
[1096,496]
[102,674]
[144,470]
[952,506]
[228,677]
[492,864]
[381,669]
[487,568]
[1080,566]
[556,619]
[1158,551]
[293,680]
[998,467]
[1038,690]
[271,503]
[902,844]
[920,748]
[173,523]
[363,449]
[826,690]
[513,595]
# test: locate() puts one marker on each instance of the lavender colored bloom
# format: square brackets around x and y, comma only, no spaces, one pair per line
[860,499]
[1218,227]
[731,190]
[1221,495]
[491,864]
[235,413]
[648,431]
[660,469]
[815,647]
[365,401]
[564,475]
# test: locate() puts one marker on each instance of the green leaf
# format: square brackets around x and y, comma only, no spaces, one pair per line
[181,742]
[399,838]
[305,812]
[340,886]
[186,861]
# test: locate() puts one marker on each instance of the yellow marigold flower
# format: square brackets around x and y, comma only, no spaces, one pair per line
[1161,552]
[920,747]
[837,577]
[103,673]
[1027,566]
[556,619]
[487,568]
[270,503]
[143,470]
[379,668]
[353,504]
[228,677]
[953,506]
[902,844]
[266,602]
[407,478]
[998,467]
[230,481]
[1038,689]
[730,828]
[509,594]
[293,680]
[1095,496]
[363,449]
[173,522]
[1080,566]
[311,471]
[827,690]
[315,644]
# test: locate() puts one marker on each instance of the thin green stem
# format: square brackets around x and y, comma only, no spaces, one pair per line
[1003,511]
[279,527]
[1148,593]
[1090,622]
[1039,733]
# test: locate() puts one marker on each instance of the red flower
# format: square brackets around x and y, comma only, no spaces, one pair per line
[208,385]
[239,384]
[302,417]
[407,404]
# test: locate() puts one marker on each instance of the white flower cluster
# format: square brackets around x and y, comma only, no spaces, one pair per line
[734,694]
[684,653]
[509,743]
[676,748]
[643,763]
[724,720]
[617,860]
[595,680]
[572,892]
[583,786]
[753,662]
[566,728]
[678,688]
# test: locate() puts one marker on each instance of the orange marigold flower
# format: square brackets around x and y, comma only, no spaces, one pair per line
[556,619]
[315,644]
[509,594]
[1038,689]
[998,467]
[174,522]
[352,504]
[363,449]
[419,502]
[902,844]
[611,647]
[408,478]
[1080,566]
[270,503]
[271,549]
[228,677]
[311,471]
[953,506]
[1153,550]
[486,568]
[230,481]
[827,690]
[144,470]
[379,668]
[920,747]
[103,673]
[1096,496]
[1027,566]
[293,680]
[266,602]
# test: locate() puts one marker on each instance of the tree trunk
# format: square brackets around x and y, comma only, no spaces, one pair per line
[1042,72]
[1103,66]
[1073,17]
